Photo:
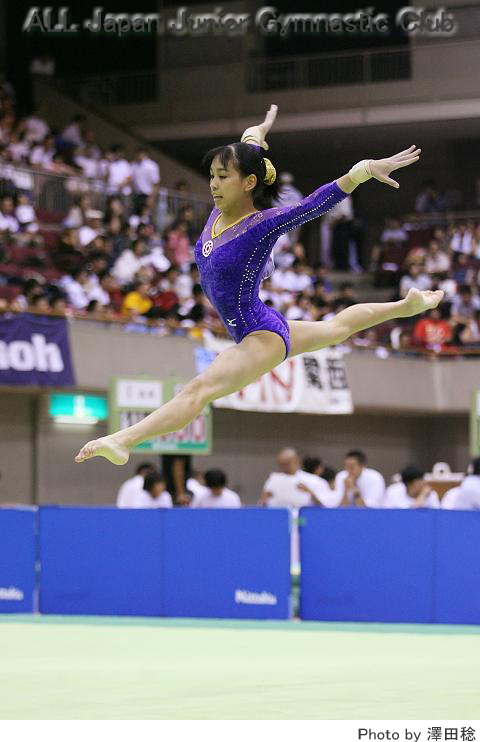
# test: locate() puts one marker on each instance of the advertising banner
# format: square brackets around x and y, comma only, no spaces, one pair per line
[311,383]
[35,351]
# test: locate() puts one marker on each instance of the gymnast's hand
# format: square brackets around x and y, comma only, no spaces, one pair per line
[257,134]
[381,169]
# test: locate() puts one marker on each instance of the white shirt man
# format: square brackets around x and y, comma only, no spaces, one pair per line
[227,499]
[291,487]
[153,494]
[144,501]
[130,489]
[145,174]
[215,494]
[468,494]
[397,497]
[357,484]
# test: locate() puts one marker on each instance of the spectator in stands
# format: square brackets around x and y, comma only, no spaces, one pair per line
[129,262]
[217,494]
[465,305]
[74,131]
[25,214]
[35,127]
[153,494]
[436,261]
[137,303]
[178,248]
[429,199]
[335,235]
[470,334]
[118,171]
[130,489]
[76,286]
[462,240]
[291,487]
[393,231]
[433,330]
[41,156]
[467,494]
[8,220]
[145,176]
[411,492]
[357,484]
[416,278]
[86,159]
[90,230]
[313,465]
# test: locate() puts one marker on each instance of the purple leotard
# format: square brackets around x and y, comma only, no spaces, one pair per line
[232,264]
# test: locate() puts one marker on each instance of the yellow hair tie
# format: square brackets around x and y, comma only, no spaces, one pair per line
[271,173]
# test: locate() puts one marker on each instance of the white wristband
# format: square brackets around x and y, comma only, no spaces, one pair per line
[360,172]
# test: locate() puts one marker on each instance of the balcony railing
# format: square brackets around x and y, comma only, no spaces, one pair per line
[56,194]
[350,68]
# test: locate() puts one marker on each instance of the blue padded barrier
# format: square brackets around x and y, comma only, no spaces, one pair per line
[367,565]
[18,546]
[457,567]
[101,561]
[227,563]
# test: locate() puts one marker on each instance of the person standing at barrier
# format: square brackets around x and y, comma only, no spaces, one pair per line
[153,494]
[130,490]
[217,494]
[358,485]
[233,255]
[412,492]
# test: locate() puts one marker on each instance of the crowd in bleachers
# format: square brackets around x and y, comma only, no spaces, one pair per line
[133,259]
[295,484]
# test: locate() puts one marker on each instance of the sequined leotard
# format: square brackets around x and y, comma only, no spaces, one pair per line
[232,263]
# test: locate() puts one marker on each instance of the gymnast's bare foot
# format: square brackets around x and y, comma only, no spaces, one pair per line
[417,301]
[108,447]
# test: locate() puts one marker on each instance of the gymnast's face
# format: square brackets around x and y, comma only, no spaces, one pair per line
[229,187]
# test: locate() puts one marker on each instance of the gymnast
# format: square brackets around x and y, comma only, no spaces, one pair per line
[233,256]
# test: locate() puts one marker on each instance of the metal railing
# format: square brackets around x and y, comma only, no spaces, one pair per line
[349,68]
[56,194]
[113,89]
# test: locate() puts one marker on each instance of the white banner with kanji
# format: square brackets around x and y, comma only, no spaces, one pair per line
[314,383]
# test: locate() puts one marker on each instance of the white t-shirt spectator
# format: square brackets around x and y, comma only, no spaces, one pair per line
[396,496]
[41,156]
[118,172]
[86,234]
[8,223]
[451,499]
[461,242]
[421,282]
[286,492]
[439,263]
[88,164]
[76,293]
[370,484]
[37,129]
[144,500]
[72,133]
[468,496]
[145,175]
[227,499]
[129,491]
[126,266]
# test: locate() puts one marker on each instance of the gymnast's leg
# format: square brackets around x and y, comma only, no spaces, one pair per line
[232,369]
[308,336]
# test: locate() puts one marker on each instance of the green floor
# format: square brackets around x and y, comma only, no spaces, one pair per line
[102,668]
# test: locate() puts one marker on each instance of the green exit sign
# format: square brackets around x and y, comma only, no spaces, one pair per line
[77,409]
